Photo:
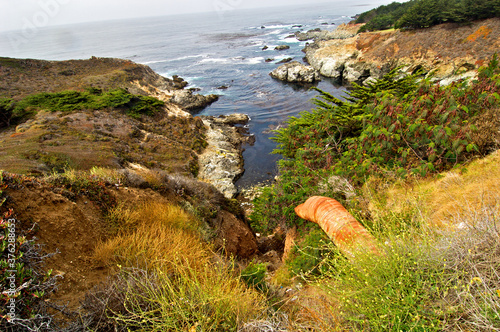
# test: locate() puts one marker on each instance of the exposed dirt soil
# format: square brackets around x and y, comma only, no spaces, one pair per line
[70,229]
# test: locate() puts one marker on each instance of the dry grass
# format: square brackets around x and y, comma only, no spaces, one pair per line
[153,234]
[472,255]
[176,282]
[438,201]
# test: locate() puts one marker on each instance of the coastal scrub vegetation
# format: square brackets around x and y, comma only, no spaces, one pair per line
[387,139]
[416,14]
[12,112]
[396,127]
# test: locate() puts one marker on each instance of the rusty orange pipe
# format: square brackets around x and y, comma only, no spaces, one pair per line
[340,226]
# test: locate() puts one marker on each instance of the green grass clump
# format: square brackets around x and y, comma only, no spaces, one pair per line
[308,257]
[67,101]
[91,184]
[424,281]
[254,275]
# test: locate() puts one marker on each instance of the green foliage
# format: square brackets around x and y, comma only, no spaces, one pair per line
[383,17]
[6,107]
[91,99]
[308,258]
[399,126]
[56,162]
[275,206]
[427,13]
[254,275]
[418,14]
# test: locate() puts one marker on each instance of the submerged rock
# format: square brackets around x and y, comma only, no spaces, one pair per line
[295,72]
[286,60]
[282,47]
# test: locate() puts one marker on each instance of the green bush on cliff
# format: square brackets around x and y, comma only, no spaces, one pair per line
[383,17]
[418,14]
[6,107]
[67,101]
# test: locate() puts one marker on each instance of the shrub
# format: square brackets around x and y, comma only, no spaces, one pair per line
[6,107]
[84,183]
[91,99]
[253,275]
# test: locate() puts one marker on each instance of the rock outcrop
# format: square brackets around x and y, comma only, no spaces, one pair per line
[282,47]
[295,72]
[317,34]
[450,52]
[221,163]
[191,101]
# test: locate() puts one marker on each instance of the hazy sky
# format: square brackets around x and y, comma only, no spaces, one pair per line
[21,14]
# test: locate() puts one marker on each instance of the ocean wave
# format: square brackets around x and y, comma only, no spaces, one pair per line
[288,39]
[238,60]
[214,60]
[185,57]
[279,26]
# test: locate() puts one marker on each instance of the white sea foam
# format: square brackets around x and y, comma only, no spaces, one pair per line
[214,60]
[253,61]
[237,60]
[288,39]
[176,59]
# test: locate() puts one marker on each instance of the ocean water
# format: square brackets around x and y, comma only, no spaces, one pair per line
[208,50]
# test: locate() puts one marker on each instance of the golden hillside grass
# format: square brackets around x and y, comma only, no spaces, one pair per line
[439,201]
[153,234]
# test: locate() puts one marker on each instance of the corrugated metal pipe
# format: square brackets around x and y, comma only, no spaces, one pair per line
[343,229]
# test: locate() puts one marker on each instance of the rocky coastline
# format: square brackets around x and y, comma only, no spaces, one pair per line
[447,52]
[221,163]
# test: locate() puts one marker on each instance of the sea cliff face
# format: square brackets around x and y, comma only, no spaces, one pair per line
[448,51]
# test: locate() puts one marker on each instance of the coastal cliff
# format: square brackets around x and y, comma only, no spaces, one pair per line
[45,141]
[448,51]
